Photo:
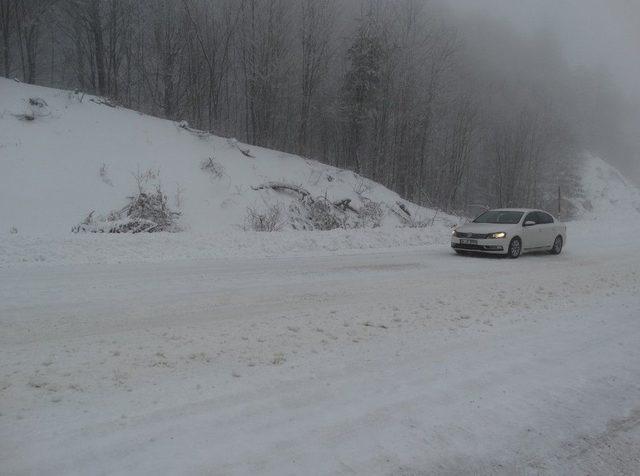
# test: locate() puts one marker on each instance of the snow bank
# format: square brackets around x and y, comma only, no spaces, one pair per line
[159,247]
[606,194]
[64,154]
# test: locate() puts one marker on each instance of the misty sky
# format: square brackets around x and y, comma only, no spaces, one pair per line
[598,33]
[601,34]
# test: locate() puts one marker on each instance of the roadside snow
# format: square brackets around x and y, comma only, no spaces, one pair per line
[403,362]
[158,247]
[607,194]
[79,156]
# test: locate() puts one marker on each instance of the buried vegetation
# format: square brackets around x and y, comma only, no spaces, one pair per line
[147,211]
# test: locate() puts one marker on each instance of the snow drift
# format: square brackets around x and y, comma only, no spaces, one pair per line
[69,160]
[65,155]
[606,193]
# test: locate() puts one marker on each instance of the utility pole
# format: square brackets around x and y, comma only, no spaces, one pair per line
[559,200]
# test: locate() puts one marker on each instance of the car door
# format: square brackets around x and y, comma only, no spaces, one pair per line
[532,234]
[547,229]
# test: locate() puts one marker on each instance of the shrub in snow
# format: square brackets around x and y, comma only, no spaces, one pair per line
[370,214]
[13,230]
[308,213]
[212,167]
[320,213]
[267,220]
[152,208]
[38,102]
[323,215]
[143,178]
[36,107]
[362,185]
[145,213]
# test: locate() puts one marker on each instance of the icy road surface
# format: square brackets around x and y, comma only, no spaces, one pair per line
[406,362]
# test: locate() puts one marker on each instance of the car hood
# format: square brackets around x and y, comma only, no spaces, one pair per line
[485,227]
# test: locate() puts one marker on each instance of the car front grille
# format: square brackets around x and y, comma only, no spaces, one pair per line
[458,246]
[475,236]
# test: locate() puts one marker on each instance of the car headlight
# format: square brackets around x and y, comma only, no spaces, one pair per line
[500,234]
[454,232]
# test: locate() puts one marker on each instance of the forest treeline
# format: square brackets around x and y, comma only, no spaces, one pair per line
[449,111]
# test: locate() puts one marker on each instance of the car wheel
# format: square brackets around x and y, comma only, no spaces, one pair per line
[557,246]
[515,248]
[460,252]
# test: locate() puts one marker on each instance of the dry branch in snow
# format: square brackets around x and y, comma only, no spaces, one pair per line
[213,167]
[104,102]
[145,213]
[234,143]
[197,132]
[281,186]
[246,152]
[267,220]
[320,213]
[404,208]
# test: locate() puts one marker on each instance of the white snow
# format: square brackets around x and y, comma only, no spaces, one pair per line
[218,351]
[79,156]
[607,193]
[157,247]
[405,362]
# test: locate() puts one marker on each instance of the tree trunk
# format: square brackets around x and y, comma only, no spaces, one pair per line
[98,45]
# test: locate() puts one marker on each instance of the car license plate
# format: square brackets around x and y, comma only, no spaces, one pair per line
[468,242]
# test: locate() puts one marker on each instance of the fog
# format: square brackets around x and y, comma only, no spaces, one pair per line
[599,35]
[451,103]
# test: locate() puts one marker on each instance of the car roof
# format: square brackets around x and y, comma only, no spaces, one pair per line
[524,210]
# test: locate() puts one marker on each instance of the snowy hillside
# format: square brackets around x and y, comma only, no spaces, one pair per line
[78,156]
[65,154]
[605,192]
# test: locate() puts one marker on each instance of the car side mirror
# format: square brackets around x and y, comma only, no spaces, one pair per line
[529,223]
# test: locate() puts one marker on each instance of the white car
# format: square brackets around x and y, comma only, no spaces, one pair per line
[511,232]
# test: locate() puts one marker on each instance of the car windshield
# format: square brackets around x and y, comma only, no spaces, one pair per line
[499,216]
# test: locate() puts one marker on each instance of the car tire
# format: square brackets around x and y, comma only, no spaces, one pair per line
[515,248]
[460,252]
[557,246]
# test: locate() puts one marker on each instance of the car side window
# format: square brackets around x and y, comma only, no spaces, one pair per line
[545,218]
[533,216]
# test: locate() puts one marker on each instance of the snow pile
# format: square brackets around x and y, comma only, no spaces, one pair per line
[606,194]
[90,248]
[64,155]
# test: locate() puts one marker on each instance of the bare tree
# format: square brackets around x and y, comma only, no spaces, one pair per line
[7,21]
[29,16]
[213,31]
[388,88]
[317,20]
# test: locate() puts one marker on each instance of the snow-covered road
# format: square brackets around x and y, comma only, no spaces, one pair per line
[400,362]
